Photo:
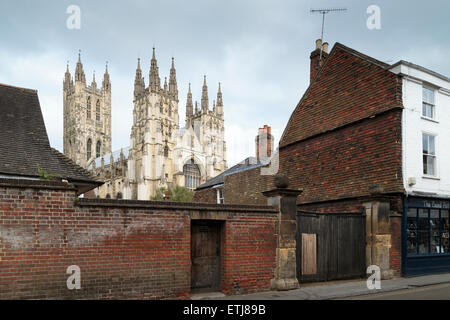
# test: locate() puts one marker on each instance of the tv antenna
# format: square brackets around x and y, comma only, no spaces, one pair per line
[323,12]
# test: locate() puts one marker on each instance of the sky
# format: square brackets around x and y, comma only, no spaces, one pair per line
[258,50]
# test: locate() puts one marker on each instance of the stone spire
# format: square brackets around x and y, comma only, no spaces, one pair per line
[139,83]
[205,103]
[106,84]
[67,78]
[165,84]
[219,109]
[94,84]
[155,81]
[196,107]
[79,73]
[173,88]
[189,105]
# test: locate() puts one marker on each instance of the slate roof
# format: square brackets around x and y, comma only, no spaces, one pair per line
[247,164]
[24,142]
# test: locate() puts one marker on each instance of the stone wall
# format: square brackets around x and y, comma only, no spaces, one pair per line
[125,249]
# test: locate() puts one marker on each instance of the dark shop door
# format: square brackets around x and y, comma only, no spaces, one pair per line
[205,256]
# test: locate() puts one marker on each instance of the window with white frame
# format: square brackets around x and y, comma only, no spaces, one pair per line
[219,195]
[429,154]
[428,106]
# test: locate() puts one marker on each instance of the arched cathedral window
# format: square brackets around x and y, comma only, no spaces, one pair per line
[191,174]
[97,111]
[88,149]
[88,108]
[166,151]
[98,149]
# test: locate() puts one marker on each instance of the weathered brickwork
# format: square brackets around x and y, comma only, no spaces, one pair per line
[249,254]
[125,249]
[246,187]
[208,195]
[349,162]
[395,252]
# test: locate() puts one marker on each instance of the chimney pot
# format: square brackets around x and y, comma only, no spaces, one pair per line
[325,47]
[318,43]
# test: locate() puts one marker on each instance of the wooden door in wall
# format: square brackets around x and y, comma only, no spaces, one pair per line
[205,256]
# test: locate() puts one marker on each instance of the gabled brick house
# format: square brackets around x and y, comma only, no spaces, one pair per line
[369,137]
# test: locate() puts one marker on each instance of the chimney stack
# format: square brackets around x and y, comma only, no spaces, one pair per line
[318,58]
[264,143]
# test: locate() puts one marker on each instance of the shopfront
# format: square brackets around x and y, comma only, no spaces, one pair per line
[426,241]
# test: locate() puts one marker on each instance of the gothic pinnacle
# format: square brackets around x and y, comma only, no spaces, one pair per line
[204,102]
[173,88]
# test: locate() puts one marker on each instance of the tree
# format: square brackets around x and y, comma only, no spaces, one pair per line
[178,193]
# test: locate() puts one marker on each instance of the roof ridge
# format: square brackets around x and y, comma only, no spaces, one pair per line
[361,55]
[77,167]
[20,88]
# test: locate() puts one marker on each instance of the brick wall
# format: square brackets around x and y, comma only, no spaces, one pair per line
[208,195]
[125,249]
[249,250]
[348,162]
[245,187]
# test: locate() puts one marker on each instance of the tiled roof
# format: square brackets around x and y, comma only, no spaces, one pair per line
[24,142]
[350,86]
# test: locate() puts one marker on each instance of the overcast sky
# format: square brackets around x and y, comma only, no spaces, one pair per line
[259,51]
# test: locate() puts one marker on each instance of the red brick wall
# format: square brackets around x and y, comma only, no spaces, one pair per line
[125,249]
[347,162]
[249,254]
[395,253]
[245,187]
[205,196]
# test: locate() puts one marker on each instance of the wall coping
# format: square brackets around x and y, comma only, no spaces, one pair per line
[199,206]
[36,184]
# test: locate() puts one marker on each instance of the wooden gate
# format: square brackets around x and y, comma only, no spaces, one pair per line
[330,246]
[205,256]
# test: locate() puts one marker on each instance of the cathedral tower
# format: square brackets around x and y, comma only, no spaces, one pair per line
[208,126]
[152,139]
[87,116]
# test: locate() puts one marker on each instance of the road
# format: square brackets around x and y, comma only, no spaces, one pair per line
[434,292]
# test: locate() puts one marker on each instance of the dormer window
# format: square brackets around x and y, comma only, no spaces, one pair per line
[428,104]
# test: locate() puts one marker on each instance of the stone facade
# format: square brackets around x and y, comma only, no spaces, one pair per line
[87,117]
[161,154]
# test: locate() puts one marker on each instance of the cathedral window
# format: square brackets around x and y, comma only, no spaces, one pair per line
[88,149]
[119,195]
[191,174]
[97,149]
[97,111]
[88,108]
[166,151]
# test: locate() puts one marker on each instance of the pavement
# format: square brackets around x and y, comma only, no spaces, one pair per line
[336,289]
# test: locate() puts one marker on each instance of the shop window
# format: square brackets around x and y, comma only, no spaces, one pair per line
[428,231]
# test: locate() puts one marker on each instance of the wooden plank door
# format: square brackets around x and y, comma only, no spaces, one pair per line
[205,256]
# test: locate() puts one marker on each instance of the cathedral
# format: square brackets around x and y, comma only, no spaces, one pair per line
[161,154]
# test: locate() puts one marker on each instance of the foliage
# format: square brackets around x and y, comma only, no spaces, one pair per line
[178,193]
[44,175]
